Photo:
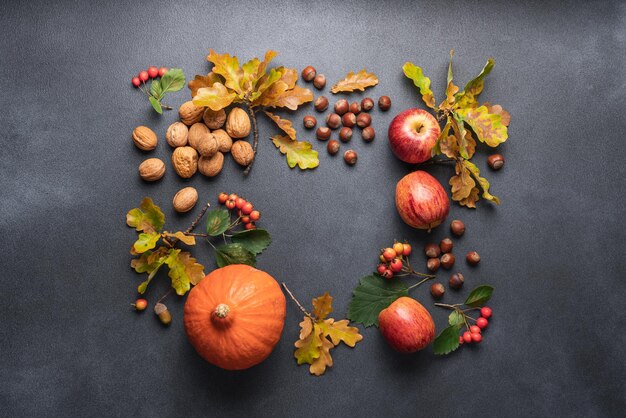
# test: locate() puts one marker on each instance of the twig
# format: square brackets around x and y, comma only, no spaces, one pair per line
[164,296]
[420,282]
[255,143]
[297,303]
[438,161]
[194,223]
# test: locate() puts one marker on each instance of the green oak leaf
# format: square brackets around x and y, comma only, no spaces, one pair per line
[173,80]
[422,82]
[254,240]
[479,296]
[372,295]
[146,241]
[147,217]
[184,271]
[297,152]
[217,222]
[234,254]
[149,262]
[447,341]
[156,105]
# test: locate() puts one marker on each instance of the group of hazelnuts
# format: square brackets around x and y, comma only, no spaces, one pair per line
[345,117]
[441,256]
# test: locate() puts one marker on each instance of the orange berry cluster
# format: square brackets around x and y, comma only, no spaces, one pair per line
[391,259]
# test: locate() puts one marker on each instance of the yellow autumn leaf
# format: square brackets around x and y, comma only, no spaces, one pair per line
[462,183]
[297,152]
[470,144]
[359,81]
[306,327]
[279,95]
[187,239]
[484,184]
[488,127]
[200,81]
[322,306]
[499,110]
[341,331]
[249,75]
[216,97]
[470,201]
[448,146]
[467,98]
[319,365]
[308,349]
[422,82]
[284,124]
[269,56]
[227,67]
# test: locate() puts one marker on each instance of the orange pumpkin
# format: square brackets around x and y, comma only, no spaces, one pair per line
[234,317]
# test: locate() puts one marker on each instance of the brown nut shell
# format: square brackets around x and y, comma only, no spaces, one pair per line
[224,141]
[242,153]
[190,113]
[185,161]
[238,123]
[144,138]
[152,169]
[214,119]
[211,166]
[207,147]
[177,134]
[197,133]
[185,199]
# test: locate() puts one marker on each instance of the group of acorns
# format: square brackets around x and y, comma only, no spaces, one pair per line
[392,259]
[245,210]
[346,115]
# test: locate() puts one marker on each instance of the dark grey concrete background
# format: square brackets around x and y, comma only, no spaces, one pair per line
[70,344]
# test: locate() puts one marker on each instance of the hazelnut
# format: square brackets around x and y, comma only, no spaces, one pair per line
[355,107]
[432,250]
[446,245]
[185,161]
[350,157]
[197,133]
[384,103]
[323,133]
[321,103]
[207,146]
[144,138]
[447,261]
[242,153]
[224,142]
[333,121]
[151,169]
[495,161]
[308,73]
[319,81]
[457,227]
[214,119]
[309,122]
[368,134]
[345,134]
[433,264]
[176,134]
[363,120]
[211,166]
[348,119]
[342,107]
[472,258]
[437,290]
[333,147]
[238,123]
[185,199]
[190,113]
[456,281]
[367,104]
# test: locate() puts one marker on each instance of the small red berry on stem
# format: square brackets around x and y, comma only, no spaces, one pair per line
[222,198]
[247,208]
[143,76]
[398,247]
[162,71]
[249,226]
[387,274]
[485,312]
[475,329]
[232,196]
[136,81]
[389,254]
[230,204]
[482,323]
[255,215]
[140,304]
[381,268]
[245,219]
[461,340]
[396,265]
[239,202]
[153,72]
[467,337]
[476,337]
[406,250]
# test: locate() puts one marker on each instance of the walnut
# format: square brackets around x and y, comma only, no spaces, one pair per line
[190,113]
[238,123]
[242,153]
[197,132]
[211,166]
[151,169]
[224,142]
[207,146]
[185,161]
[144,138]
[213,119]
[185,199]
[176,134]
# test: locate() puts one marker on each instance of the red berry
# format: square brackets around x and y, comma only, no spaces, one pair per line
[381,268]
[396,265]
[461,340]
[233,196]
[230,204]
[467,337]
[407,249]
[153,72]
[476,337]
[475,329]
[255,215]
[239,202]
[140,304]
[247,208]
[398,247]
[143,76]
[485,312]
[162,71]
[245,219]
[136,81]
[387,274]
[222,198]
[482,323]
[389,254]
[249,225]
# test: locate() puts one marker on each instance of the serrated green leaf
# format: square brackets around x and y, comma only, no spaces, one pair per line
[156,105]
[447,341]
[173,80]
[217,222]
[422,82]
[372,295]
[297,152]
[147,217]
[479,296]
[234,254]
[146,241]
[155,89]
[467,98]
[456,318]
[254,240]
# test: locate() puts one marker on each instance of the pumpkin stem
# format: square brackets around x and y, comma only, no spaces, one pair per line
[222,310]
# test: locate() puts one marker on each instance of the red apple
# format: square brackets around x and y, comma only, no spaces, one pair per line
[421,200]
[406,325]
[412,135]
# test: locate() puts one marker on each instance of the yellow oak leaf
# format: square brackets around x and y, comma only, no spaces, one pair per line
[488,127]
[264,83]
[422,82]
[359,81]
[297,152]
[200,81]
[341,331]
[467,98]
[279,95]
[269,56]
[216,97]
[284,124]
[309,348]
[484,184]
[183,270]
[462,183]
[147,217]
[227,67]
[322,306]
[319,365]
[249,75]
[306,327]
[146,241]
[470,201]
[187,239]
[470,144]
[499,110]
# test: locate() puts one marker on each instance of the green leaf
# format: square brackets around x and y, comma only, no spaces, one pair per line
[149,262]
[467,98]
[184,270]
[456,318]
[173,80]
[484,184]
[147,217]
[447,341]
[479,296]
[488,127]
[146,241]
[156,105]
[422,82]
[217,222]
[297,152]
[234,254]
[155,89]
[254,240]
[372,295]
